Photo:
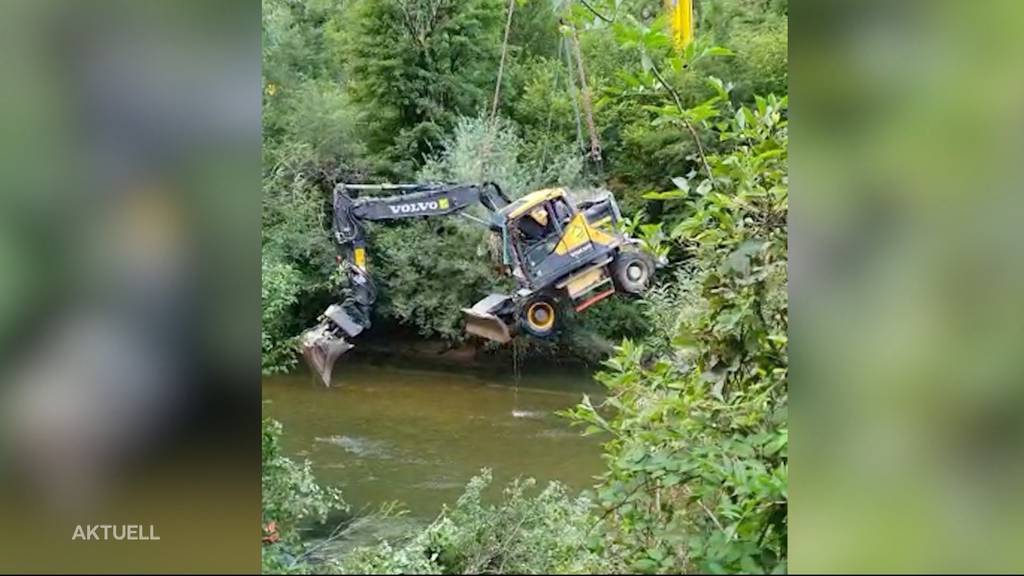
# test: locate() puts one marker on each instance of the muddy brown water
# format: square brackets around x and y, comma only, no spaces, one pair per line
[416,435]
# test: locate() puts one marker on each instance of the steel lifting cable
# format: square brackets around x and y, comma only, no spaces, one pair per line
[547,128]
[588,107]
[573,93]
[492,120]
[501,63]
[488,141]
[515,362]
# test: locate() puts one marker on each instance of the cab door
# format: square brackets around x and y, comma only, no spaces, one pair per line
[563,244]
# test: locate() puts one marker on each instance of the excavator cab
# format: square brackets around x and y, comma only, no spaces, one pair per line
[558,251]
[550,237]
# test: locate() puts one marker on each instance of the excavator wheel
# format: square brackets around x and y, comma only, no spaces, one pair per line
[540,315]
[632,272]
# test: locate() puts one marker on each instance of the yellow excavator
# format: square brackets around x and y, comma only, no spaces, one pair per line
[564,255]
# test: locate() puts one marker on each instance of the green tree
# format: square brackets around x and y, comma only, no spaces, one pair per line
[429,271]
[414,66]
[309,142]
[280,287]
[757,32]
[698,462]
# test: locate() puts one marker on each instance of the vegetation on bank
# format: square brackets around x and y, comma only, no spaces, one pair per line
[291,496]
[694,145]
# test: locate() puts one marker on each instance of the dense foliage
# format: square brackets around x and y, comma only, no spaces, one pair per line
[542,533]
[698,466]
[529,531]
[413,67]
[291,496]
[694,145]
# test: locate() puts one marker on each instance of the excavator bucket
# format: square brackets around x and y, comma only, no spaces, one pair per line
[321,348]
[484,319]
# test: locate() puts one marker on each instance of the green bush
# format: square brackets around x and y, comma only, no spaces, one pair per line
[279,290]
[595,331]
[428,271]
[291,496]
[546,533]
[481,150]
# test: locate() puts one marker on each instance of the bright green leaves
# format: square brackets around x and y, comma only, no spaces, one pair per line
[670,195]
[280,288]
[750,181]
[698,461]
[291,496]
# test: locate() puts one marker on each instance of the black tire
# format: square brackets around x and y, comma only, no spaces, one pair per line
[540,316]
[633,272]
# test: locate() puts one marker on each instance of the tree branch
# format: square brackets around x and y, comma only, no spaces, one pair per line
[689,126]
[596,13]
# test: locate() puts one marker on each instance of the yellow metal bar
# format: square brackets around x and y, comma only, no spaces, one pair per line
[681,18]
[360,256]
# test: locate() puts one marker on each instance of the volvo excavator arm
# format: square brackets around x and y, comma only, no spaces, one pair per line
[342,322]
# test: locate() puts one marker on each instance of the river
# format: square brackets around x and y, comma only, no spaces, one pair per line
[416,435]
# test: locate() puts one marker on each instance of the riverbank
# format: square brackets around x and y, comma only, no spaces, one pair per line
[400,346]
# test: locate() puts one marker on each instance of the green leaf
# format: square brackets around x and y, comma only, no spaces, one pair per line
[702,112]
[718,86]
[627,34]
[669,195]
[645,566]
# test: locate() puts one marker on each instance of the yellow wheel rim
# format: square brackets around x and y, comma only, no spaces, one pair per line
[541,315]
